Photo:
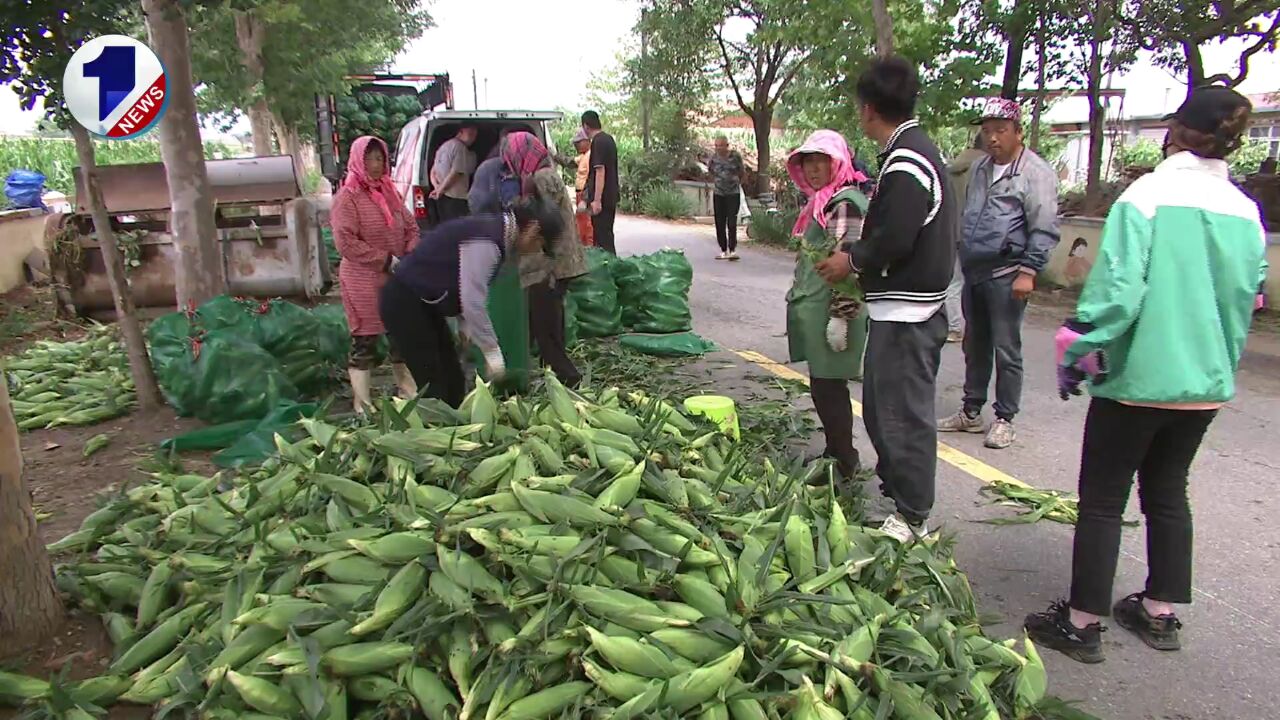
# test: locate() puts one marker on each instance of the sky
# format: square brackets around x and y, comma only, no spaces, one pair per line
[569,40]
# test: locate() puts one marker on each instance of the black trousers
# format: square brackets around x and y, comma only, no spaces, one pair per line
[899,380]
[422,333]
[993,333]
[1158,445]
[726,211]
[602,228]
[448,208]
[835,409]
[546,324]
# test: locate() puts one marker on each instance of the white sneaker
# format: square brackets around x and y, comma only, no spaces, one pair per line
[733,255]
[899,529]
[723,256]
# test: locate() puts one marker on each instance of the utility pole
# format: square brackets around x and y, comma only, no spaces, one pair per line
[475,94]
[644,91]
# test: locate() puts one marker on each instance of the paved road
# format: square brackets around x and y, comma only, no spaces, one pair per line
[1228,666]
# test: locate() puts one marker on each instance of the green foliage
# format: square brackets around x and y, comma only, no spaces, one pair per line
[1246,160]
[1142,153]
[56,157]
[666,201]
[641,173]
[773,227]
[303,52]
[1175,30]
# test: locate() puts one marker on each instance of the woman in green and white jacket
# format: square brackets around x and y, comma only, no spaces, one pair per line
[1158,335]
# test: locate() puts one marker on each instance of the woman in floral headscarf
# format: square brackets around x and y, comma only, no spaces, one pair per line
[545,276]
[372,229]
[826,327]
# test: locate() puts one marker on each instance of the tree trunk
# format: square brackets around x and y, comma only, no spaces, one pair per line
[884,27]
[1195,65]
[198,274]
[762,121]
[249,36]
[291,145]
[1017,33]
[30,610]
[1037,110]
[1097,111]
[144,379]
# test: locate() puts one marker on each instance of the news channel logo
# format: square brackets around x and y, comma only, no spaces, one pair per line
[115,87]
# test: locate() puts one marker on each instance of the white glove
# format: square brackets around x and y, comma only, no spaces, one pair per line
[392,263]
[495,366]
[838,334]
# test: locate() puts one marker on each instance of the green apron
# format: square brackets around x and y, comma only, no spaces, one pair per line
[808,311]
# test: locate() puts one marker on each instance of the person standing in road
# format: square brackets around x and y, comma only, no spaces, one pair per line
[371,230]
[602,193]
[582,144]
[1158,334]
[904,260]
[1009,228]
[726,169]
[545,276]
[958,170]
[451,174]
[827,328]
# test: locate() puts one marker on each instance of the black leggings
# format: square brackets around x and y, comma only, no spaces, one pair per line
[726,210]
[1158,445]
[422,334]
[546,323]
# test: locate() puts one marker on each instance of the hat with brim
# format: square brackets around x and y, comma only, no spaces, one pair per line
[1209,107]
[1000,109]
[580,136]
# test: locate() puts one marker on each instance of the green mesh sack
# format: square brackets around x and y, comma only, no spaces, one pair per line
[570,320]
[221,378]
[673,345]
[628,274]
[332,334]
[291,334]
[595,297]
[662,302]
[228,313]
[168,339]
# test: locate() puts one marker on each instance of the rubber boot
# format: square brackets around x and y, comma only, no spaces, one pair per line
[360,397]
[835,410]
[406,387]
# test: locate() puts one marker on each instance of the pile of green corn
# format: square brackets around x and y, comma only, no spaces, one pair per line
[596,555]
[80,382]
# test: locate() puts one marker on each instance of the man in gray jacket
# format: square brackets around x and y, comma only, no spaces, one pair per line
[1008,230]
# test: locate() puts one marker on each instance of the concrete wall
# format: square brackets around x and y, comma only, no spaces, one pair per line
[21,233]
[1084,234]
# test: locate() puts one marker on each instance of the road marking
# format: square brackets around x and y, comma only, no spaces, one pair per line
[960,460]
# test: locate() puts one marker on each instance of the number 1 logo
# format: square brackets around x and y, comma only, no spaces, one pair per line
[115,87]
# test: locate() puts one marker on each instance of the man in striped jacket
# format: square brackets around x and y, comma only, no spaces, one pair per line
[904,261]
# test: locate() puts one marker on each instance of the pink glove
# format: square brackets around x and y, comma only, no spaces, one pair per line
[1259,302]
[1094,364]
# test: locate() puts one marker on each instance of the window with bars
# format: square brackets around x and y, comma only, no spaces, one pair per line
[1269,134]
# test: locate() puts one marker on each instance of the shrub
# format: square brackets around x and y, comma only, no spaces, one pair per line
[772,227]
[666,202]
[1143,153]
[639,174]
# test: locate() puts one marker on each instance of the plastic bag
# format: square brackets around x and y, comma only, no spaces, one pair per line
[255,446]
[595,297]
[685,344]
[24,189]
[662,301]
[222,378]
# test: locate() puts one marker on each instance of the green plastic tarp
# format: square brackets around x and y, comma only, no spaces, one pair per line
[595,297]
[685,344]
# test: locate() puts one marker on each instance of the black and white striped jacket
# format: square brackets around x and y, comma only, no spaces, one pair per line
[905,252]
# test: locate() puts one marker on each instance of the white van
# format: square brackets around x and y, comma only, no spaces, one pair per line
[421,137]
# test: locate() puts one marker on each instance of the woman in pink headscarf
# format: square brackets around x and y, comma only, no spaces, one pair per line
[546,276]
[827,327]
[372,229]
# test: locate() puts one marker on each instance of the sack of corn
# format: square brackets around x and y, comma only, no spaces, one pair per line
[557,555]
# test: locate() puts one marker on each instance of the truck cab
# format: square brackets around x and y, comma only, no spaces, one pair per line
[422,136]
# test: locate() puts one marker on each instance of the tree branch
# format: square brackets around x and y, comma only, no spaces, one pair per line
[788,78]
[727,64]
[1266,39]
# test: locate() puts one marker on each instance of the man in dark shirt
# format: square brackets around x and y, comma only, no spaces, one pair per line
[602,183]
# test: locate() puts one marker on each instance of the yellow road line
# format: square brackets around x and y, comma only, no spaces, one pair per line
[956,458]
